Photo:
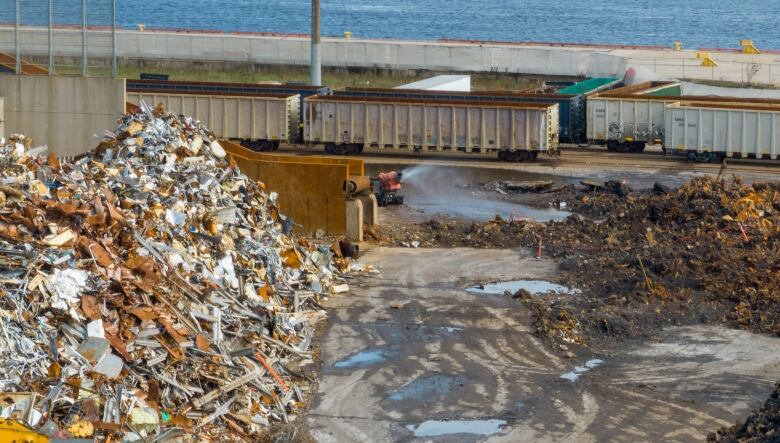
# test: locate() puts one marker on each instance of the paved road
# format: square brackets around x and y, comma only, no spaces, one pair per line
[411,351]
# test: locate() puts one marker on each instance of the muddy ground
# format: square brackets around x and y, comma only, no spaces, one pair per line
[704,253]
[417,353]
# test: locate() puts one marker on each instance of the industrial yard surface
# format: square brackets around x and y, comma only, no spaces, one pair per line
[463,334]
[427,231]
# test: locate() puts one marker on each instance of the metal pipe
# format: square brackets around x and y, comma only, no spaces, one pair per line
[51,37]
[84,68]
[113,38]
[17,41]
[316,62]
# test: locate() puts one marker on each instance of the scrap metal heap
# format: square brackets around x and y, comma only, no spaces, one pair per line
[149,288]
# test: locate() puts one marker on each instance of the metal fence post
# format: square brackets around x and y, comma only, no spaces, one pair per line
[17,41]
[316,61]
[84,68]
[113,38]
[51,37]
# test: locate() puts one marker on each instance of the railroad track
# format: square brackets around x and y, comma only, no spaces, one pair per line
[570,156]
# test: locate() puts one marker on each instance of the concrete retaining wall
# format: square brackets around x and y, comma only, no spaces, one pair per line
[69,114]
[294,50]
[194,49]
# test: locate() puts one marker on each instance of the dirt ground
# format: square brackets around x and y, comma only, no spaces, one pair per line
[415,353]
[705,253]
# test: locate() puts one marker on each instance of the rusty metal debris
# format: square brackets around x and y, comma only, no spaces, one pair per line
[150,290]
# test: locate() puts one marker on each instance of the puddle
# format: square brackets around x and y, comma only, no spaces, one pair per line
[481,209]
[579,370]
[535,287]
[428,387]
[434,428]
[363,358]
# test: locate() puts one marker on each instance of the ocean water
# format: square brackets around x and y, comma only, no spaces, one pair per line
[697,23]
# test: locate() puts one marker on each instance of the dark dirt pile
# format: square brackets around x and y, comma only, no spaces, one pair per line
[586,198]
[762,426]
[705,252]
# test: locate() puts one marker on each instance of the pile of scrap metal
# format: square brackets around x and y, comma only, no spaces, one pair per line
[149,289]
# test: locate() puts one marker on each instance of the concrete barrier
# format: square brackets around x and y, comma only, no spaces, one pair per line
[2,120]
[354,231]
[294,50]
[193,49]
[68,114]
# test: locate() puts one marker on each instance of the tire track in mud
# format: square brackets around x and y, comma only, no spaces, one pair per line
[412,345]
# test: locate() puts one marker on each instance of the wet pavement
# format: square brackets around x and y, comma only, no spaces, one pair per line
[411,355]
[579,370]
[437,428]
[441,190]
[535,287]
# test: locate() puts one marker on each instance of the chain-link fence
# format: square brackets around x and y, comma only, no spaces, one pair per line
[32,31]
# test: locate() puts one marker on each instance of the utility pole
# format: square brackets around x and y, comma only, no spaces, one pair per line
[17,41]
[51,36]
[84,68]
[113,38]
[316,62]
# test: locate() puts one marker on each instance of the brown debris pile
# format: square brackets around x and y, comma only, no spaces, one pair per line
[707,251]
[151,290]
[587,198]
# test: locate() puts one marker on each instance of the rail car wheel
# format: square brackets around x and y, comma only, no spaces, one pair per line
[353,149]
[612,145]
[265,146]
[502,155]
[637,147]
[275,145]
[342,149]
[330,148]
[519,156]
[257,145]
